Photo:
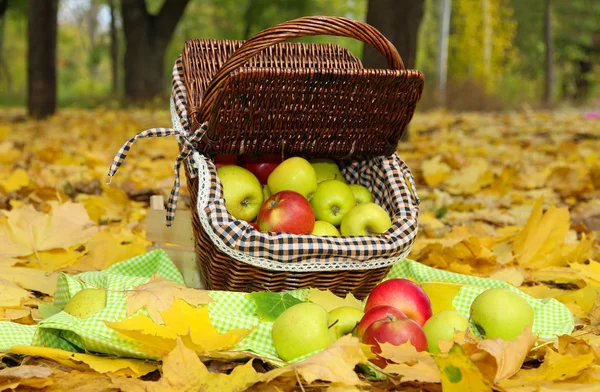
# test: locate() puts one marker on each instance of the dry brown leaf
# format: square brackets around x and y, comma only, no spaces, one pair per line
[410,364]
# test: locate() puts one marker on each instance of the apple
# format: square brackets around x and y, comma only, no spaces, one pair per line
[287,212]
[501,313]
[326,169]
[242,192]
[225,159]
[404,295]
[331,201]
[343,320]
[260,165]
[294,174]
[396,331]
[254,226]
[300,330]
[362,194]
[86,302]
[441,326]
[375,314]
[266,192]
[325,229]
[365,219]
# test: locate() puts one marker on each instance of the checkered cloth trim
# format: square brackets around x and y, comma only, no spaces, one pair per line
[389,180]
[187,140]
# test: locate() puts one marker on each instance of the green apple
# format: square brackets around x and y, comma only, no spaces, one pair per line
[242,192]
[362,194]
[365,219]
[86,302]
[501,313]
[331,201]
[294,174]
[441,326]
[266,192]
[301,329]
[325,229]
[343,320]
[326,169]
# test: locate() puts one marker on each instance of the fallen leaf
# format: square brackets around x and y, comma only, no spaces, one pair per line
[15,181]
[158,295]
[330,301]
[12,295]
[410,364]
[470,179]
[558,367]
[435,171]
[31,279]
[270,305]
[458,373]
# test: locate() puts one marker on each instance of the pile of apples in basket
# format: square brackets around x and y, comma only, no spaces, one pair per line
[297,196]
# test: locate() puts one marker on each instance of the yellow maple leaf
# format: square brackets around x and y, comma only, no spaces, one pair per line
[410,364]
[330,301]
[31,231]
[86,362]
[470,179]
[16,180]
[12,295]
[158,295]
[459,374]
[31,279]
[435,171]
[558,366]
[181,321]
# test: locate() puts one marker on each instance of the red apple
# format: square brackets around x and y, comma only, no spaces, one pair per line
[375,314]
[395,331]
[404,295]
[260,165]
[288,212]
[225,159]
[254,225]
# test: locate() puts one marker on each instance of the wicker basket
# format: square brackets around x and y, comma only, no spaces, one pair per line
[267,96]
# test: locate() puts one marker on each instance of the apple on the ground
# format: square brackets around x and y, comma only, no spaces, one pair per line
[294,174]
[331,201]
[343,320]
[501,313]
[301,329]
[260,165]
[374,314]
[326,169]
[325,229]
[395,331]
[287,212]
[404,295]
[362,194]
[86,302]
[441,326]
[242,192]
[365,219]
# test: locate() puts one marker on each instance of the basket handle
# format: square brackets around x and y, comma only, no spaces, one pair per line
[301,27]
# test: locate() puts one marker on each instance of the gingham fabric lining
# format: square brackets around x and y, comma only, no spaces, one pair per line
[230,310]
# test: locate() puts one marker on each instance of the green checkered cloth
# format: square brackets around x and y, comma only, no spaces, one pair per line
[230,310]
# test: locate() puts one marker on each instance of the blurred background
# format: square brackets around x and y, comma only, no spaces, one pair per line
[475,54]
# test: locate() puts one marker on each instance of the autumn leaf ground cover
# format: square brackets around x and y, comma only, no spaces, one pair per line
[511,196]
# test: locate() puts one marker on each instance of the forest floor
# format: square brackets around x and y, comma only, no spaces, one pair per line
[510,196]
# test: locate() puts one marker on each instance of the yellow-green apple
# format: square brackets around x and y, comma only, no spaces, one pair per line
[395,331]
[331,201]
[225,159]
[404,295]
[343,320]
[266,192]
[501,313]
[374,314]
[242,192]
[364,220]
[86,302]
[327,169]
[362,194]
[287,212]
[260,165]
[441,326]
[294,174]
[325,229]
[301,329]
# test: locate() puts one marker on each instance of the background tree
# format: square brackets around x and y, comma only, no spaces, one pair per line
[41,57]
[549,46]
[114,47]
[147,37]
[398,21]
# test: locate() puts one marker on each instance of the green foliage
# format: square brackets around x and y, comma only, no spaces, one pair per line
[270,305]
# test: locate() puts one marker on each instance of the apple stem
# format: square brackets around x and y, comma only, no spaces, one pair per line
[334,323]
[390,316]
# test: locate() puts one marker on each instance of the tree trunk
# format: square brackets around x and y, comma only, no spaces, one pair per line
[147,37]
[398,21]
[41,57]
[4,72]
[549,76]
[445,8]
[114,48]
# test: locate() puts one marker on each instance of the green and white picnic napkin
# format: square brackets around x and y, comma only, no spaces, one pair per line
[230,310]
